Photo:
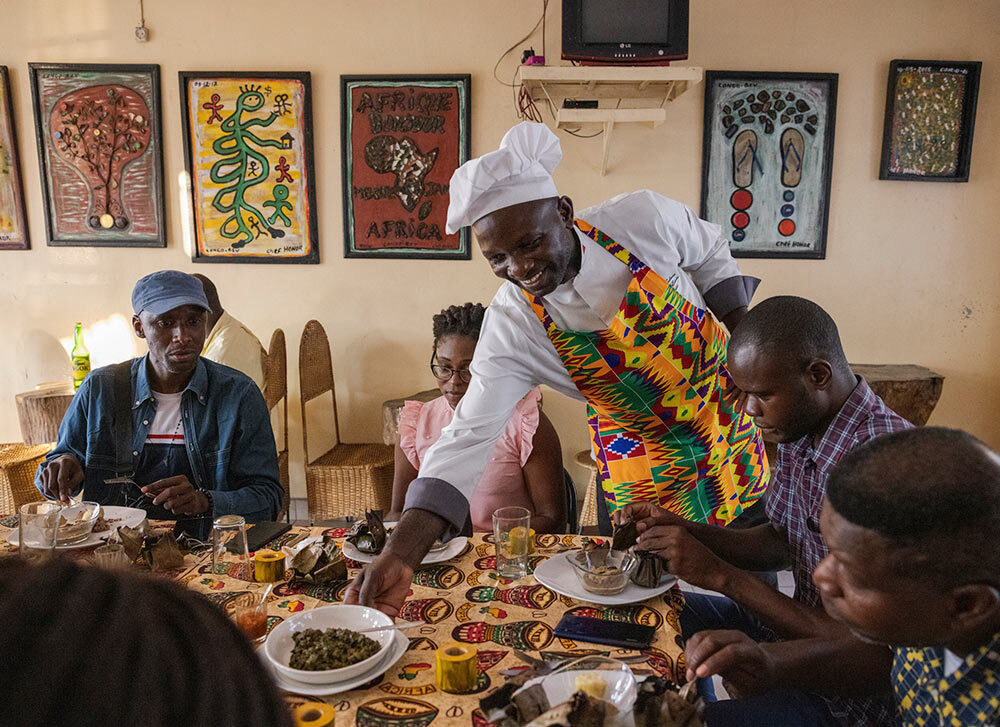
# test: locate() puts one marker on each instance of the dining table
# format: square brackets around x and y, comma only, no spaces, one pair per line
[508,623]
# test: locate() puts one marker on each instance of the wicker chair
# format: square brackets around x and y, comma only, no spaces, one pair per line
[349,478]
[588,513]
[18,463]
[275,392]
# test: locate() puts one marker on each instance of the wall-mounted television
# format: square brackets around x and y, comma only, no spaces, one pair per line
[627,32]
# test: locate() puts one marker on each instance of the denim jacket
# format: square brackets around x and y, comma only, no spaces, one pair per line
[227,434]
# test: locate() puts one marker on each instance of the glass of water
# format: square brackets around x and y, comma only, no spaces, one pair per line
[38,528]
[512,533]
[230,555]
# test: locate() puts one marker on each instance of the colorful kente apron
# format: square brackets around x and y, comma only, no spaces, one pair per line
[653,383]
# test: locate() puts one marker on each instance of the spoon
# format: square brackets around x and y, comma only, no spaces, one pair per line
[391,627]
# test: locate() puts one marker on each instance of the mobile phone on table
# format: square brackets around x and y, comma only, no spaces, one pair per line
[260,534]
[599,631]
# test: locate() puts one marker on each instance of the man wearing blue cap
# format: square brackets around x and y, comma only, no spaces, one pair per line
[175,434]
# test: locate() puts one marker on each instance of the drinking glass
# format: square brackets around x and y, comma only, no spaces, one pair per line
[111,556]
[38,528]
[512,533]
[250,614]
[230,555]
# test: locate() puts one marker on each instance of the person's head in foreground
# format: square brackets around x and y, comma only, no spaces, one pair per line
[171,313]
[85,646]
[912,521]
[524,228]
[787,359]
[456,331]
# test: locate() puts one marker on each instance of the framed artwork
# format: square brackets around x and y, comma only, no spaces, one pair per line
[13,219]
[402,138]
[930,112]
[248,144]
[100,149]
[766,160]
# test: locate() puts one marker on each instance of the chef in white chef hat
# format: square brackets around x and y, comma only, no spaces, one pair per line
[563,308]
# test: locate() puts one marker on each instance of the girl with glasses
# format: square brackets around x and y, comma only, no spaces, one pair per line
[526,467]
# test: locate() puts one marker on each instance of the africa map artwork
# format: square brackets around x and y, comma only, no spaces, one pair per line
[402,138]
[767,158]
[101,154]
[929,117]
[13,220]
[248,146]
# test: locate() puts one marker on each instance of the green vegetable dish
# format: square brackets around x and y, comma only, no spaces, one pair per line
[317,650]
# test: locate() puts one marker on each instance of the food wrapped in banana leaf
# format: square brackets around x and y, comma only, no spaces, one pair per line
[661,704]
[369,535]
[625,536]
[581,710]
[649,571]
[320,562]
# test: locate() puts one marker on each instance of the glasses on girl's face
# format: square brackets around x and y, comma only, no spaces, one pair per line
[443,373]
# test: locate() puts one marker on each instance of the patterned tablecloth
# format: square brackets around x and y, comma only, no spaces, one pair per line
[461,600]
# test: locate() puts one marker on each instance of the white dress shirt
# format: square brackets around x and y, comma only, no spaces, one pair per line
[232,344]
[514,353]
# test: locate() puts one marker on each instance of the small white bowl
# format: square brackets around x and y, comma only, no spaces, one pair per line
[279,644]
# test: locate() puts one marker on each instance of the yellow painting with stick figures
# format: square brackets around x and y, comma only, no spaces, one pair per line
[249,153]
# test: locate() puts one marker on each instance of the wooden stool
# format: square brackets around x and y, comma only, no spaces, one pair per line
[910,391]
[18,463]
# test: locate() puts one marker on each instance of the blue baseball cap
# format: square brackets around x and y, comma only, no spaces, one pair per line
[165,290]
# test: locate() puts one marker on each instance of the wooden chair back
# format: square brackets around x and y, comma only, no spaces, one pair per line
[315,377]
[276,392]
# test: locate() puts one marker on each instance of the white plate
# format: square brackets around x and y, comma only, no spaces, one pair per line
[293,686]
[280,642]
[131,517]
[557,574]
[620,687]
[452,548]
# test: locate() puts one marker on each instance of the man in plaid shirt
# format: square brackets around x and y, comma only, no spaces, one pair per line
[788,363]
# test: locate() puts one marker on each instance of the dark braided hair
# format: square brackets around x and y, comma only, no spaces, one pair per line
[85,646]
[459,320]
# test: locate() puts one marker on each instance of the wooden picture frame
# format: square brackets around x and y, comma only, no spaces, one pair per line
[13,215]
[785,121]
[253,194]
[930,114]
[402,137]
[100,153]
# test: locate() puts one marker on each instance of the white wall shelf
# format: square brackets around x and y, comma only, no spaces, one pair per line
[651,88]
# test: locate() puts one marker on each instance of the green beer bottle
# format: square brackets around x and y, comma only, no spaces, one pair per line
[80,357]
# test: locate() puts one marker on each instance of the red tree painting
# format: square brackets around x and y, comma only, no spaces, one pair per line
[99,130]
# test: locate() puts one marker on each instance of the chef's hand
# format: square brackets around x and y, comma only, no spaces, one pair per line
[745,666]
[686,557]
[637,512]
[62,477]
[177,495]
[383,584]
[648,514]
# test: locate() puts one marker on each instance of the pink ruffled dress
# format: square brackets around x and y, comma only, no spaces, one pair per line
[502,485]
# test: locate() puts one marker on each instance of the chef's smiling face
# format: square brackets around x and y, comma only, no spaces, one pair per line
[531,244]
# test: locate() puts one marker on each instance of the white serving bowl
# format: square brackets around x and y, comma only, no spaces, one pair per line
[279,644]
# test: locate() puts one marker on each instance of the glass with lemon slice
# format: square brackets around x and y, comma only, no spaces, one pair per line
[513,535]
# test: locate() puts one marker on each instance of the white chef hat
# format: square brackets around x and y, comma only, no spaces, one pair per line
[519,171]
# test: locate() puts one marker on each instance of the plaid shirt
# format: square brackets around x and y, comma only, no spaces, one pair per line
[795,500]
[926,696]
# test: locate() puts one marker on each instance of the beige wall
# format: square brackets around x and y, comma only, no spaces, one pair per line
[912,268]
